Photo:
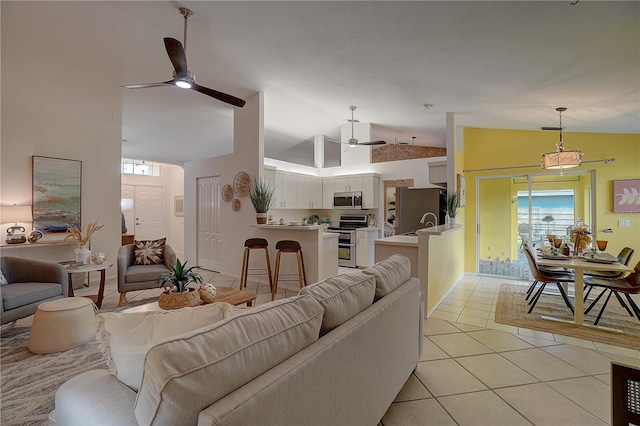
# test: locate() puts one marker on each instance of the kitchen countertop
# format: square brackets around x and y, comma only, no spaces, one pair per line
[439,229]
[399,240]
[290,227]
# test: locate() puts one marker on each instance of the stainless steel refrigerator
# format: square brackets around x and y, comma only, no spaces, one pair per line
[413,203]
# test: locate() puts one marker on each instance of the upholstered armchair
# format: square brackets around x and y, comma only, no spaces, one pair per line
[140,277]
[30,282]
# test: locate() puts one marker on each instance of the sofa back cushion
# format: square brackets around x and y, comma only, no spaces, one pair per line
[186,374]
[342,297]
[127,337]
[390,274]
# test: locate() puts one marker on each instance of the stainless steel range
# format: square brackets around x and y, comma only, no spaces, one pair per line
[347,239]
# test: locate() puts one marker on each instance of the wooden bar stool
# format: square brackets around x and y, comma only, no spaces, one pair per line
[252,244]
[288,246]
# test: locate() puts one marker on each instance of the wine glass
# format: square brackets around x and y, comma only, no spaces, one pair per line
[551,237]
[602,245]
[557,242]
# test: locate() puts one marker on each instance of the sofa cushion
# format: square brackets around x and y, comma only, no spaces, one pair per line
[390,274]
[22,294]
[186,374]
[149,252]
[142,273]
[3,280]
[127,337]
[342,297]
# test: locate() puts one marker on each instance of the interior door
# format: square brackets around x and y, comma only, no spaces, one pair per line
[143,208]
[209,232]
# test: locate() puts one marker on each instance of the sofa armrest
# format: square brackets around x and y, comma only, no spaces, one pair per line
[24,270]
[125,259]
[94,397]
[169,255]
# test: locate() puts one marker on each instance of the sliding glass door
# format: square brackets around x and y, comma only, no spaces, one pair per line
[527,208]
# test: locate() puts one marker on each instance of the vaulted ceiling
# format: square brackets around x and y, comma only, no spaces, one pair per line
[495,64]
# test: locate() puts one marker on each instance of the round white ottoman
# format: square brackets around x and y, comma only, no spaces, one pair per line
[62,324]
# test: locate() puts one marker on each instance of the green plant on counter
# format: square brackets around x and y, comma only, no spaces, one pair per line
[262,196]
[453,203]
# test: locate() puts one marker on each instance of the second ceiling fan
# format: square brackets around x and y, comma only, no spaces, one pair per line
[352,142]
[182,77]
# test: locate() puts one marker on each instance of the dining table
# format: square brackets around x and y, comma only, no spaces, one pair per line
[579,265]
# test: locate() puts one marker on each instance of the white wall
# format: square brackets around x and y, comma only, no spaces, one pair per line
[172,180]
[247,156]
[28,131]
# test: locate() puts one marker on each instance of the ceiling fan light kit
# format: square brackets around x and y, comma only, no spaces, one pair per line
[182,76]
[561,158]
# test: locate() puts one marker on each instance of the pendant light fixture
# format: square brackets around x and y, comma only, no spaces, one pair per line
[561,158]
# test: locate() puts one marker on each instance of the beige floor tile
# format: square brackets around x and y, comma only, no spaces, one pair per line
[573,341]
[542,405]
[443,307]
[499,341]
[586,360]
[478,322]
[632,360]
[481,298]
[476,313]
[495,371]
[589,393]
[537,341]
[459,345]
[479,306]
[431,351]
[468,327]
[434,326]
[542,365]
[604,378]
[610,350]
[450,316]
[502,327]
[536,334]
[447,377]
[413,389]
[455,302]
[469,408]
[412,413]
[460,293]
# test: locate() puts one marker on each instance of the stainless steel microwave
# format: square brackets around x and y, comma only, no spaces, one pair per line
[347,200]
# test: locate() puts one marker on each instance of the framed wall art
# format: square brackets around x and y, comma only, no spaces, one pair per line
[57,192]
[462,190]
[625,196]
[178,205]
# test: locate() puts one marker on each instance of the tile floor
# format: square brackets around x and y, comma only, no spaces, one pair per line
[474,371]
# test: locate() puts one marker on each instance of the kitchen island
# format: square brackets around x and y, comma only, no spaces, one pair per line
[319,248]
[437,258]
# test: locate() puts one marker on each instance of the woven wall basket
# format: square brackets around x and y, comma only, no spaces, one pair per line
[170,300]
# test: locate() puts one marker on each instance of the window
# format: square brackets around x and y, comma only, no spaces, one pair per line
[552,212]
[139,167]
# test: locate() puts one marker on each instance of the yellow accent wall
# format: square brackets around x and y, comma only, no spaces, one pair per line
[498,148]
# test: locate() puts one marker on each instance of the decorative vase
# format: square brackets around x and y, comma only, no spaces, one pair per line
[98,258]
[83,254]
[451,221]
[207,292]
[171,300]
[261,218]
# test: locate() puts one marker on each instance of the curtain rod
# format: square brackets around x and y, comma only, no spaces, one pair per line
[604,160]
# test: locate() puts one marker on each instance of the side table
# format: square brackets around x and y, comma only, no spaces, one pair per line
[97,299]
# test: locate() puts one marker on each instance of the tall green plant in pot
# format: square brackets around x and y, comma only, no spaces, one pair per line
[262,197]
[182,295]
[453,204]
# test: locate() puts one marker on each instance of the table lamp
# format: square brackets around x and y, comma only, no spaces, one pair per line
[15,214]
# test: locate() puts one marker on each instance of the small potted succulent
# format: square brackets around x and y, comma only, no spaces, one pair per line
[262,197]
[179,294]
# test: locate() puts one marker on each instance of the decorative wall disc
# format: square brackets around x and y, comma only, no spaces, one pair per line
[242,184]
[235,204]
[227,193]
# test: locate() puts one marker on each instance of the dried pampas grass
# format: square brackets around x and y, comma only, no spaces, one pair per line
[82,235]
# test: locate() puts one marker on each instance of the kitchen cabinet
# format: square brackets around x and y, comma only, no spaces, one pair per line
[365,250]
[309,192]
[328,189]
[348,184]
[286,191]
[370,192]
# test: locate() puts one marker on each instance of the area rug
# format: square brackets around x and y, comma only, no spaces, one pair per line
[511,309]
[28,382]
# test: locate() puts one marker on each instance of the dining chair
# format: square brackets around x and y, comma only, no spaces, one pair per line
[624,257]
[549,271]
[627,286]
[545,279]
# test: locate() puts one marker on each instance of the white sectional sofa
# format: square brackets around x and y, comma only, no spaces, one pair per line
[337,354]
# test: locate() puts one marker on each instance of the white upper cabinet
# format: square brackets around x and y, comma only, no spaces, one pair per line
[286,191]
[309,193]
[370,192]
[328,188]
[348,184]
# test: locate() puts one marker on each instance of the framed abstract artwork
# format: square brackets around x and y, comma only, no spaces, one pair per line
[462,190]
[57,191]
[625,196]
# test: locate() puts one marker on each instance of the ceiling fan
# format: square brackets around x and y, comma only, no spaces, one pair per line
[182,77]
[352,142]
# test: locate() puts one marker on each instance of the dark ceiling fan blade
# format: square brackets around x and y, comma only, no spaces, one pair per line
[555,129]
[146,85]
[232,100]
[177,56]
[373,143]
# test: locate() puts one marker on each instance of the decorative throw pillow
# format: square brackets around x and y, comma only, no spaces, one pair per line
[3,280]
[125,338]
[149,252]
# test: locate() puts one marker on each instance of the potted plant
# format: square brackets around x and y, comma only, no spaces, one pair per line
[262,197]
[181,295]
[453,202]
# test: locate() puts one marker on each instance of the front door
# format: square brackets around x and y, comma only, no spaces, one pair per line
[145,219]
